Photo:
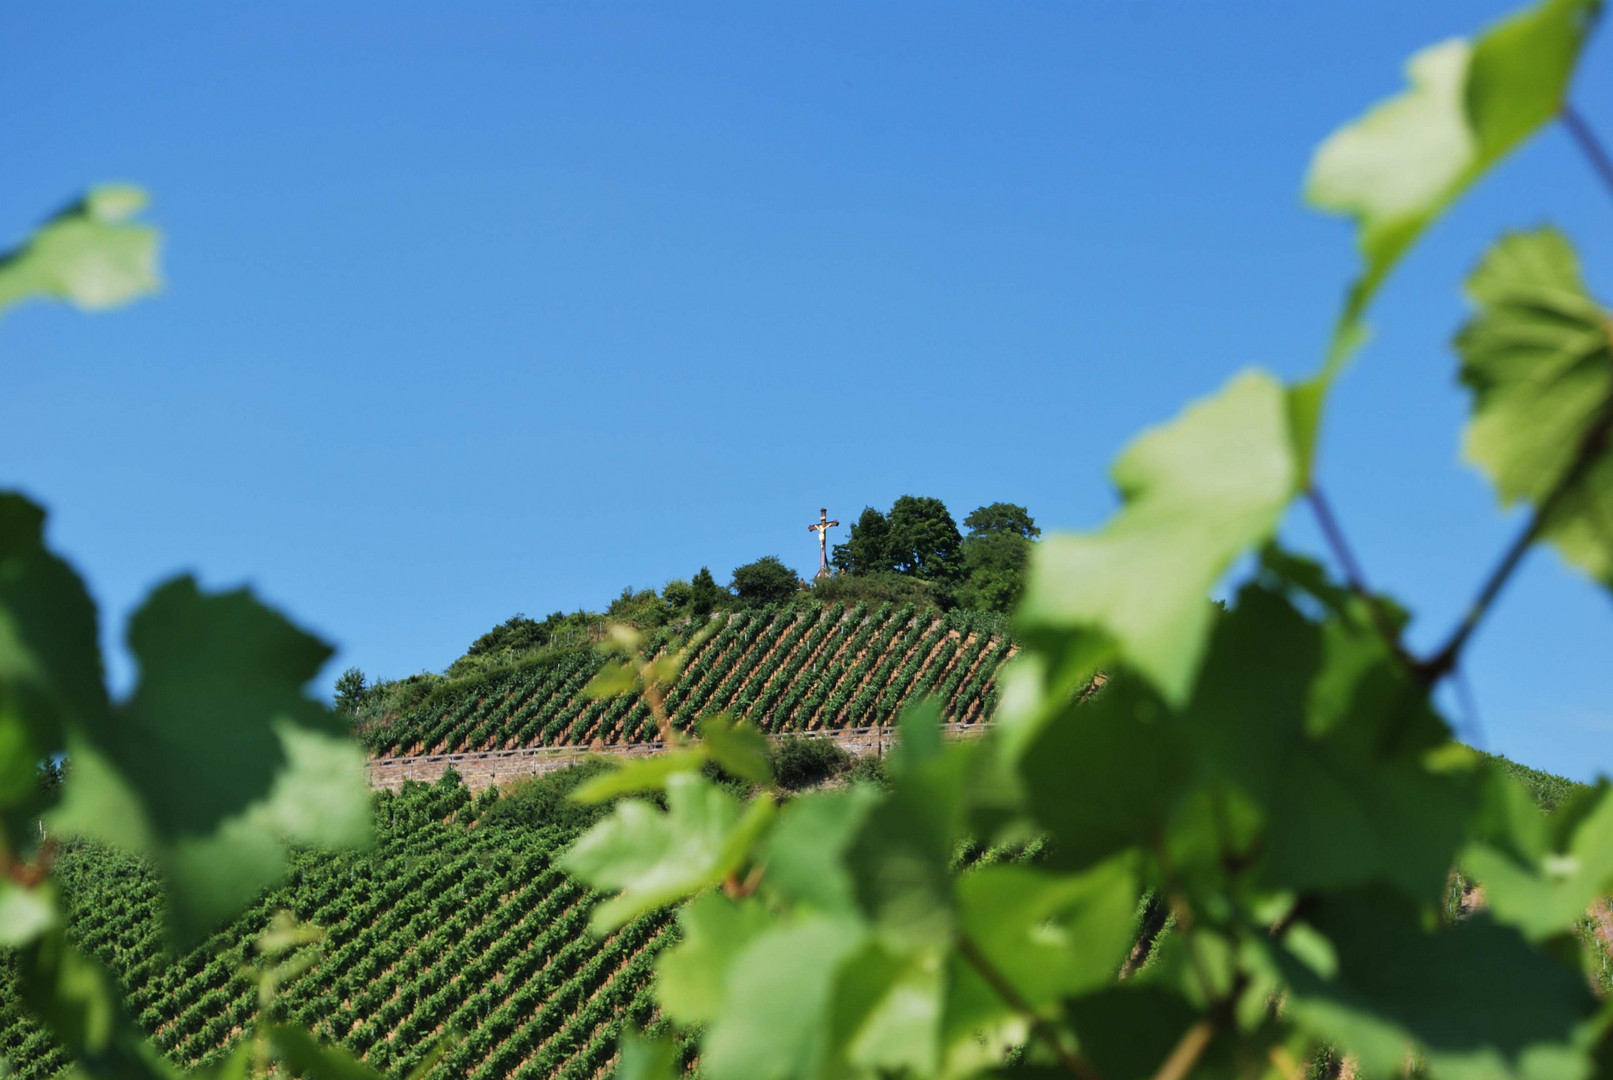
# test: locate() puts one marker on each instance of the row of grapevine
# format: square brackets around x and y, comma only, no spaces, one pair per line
[447,924]
[797,668]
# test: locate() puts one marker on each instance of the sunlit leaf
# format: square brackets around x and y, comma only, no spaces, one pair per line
[90,254]
[1539,360]
[654,858]
[1406,161]
[779,1000]
[26,913]
[1197,493]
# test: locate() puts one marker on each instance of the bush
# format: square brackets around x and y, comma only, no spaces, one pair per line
[542,800]
[801,762]
[886,588]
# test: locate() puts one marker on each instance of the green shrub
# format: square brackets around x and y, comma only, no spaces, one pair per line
[541,801]
[801,762]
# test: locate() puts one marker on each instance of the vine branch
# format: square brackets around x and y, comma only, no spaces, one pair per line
[1040,1027]
[1589,145]
[1590,447]
[1353,575]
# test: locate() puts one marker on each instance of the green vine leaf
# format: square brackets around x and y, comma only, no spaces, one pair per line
[648,773]
[220,759]
[737,747]
[1052,936]
[805,850]
[692,976]
[1474,1001]
[654,858]
[646,1059]
[1197,493]
[1542,873]
[300,1053]
[780,997]
[1400,166]
[50,655]
[89,254]
[1538,358]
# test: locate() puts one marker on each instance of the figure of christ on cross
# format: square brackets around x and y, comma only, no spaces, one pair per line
[822,529]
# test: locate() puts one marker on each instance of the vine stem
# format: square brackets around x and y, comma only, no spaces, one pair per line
[1590,447]
[1353,574]
[1194,1041]
[1072,1062]
[1589,145]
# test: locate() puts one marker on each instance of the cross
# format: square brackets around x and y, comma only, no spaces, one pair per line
[822,529]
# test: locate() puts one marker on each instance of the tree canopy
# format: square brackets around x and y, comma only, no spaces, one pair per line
[765,581]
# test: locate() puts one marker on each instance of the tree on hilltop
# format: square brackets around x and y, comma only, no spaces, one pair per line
[995,554]
[867,549]
[924,540]
[765,581]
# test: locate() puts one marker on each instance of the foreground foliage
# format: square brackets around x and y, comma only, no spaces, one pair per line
[1275,772]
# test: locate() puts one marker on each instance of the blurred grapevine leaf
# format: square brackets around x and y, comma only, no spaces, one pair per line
[1127,1031]
[79,1000]
[1053,936]
[900,861]
[1197,493]
[50,655]
[646,1059]
[655,858]
[805,850]
[737,747]
[640,774]
[1475,1001]
[237,1065]
[1542,873]
[780,992]
[692,975]
[220,758]
[90,254]
[300,1053]
[1538,358]
[1403,163]
[888,1009]
[26,913]
[615,677]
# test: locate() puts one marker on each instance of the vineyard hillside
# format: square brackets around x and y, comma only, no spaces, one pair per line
[806,668]
[455,921]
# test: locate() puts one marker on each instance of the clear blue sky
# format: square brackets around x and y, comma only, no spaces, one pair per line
[480,309]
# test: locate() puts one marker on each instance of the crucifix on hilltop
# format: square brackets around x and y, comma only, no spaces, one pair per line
[822,529]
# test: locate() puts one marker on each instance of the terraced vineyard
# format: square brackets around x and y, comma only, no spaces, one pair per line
[794,669]
[441,926]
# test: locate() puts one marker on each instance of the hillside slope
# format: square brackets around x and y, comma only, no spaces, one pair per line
[790,669]
[446,923]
